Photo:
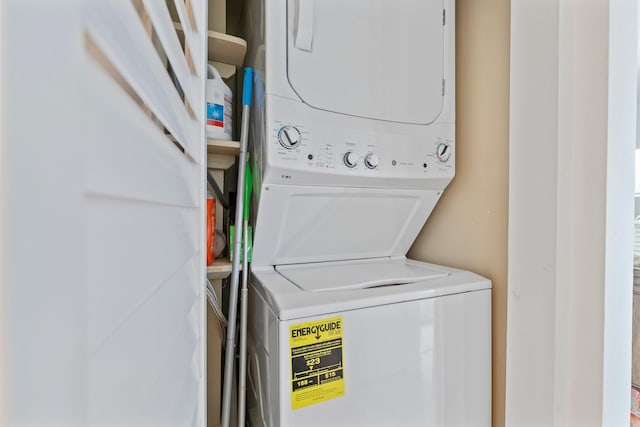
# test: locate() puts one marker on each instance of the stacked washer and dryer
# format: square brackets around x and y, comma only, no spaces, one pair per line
[353,141]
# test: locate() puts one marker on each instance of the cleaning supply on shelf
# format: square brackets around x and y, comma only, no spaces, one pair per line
[211,225]
[219,243]
[219,106]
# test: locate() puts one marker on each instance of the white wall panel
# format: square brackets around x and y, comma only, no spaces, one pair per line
[143,346]
[117,30]
[102,311]
[192,39]
[129,156]
[159,14]
[137,243]
[572,136]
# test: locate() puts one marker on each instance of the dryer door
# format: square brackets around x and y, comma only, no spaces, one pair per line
[378,59]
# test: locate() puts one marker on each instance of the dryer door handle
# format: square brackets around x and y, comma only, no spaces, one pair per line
[303,33]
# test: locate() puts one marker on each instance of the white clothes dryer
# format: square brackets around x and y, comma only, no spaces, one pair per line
[352,125]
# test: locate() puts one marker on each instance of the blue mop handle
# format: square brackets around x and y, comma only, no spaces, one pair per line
[248,84]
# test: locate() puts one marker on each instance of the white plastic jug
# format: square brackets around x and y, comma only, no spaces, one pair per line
[219,106]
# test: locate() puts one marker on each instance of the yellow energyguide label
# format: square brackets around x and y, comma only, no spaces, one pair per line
[317,368]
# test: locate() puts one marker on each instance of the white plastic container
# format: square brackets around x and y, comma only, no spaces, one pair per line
[219,106]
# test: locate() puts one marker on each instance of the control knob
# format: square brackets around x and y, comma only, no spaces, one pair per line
[443,151]
[289,137]
[351,159]
[371,161]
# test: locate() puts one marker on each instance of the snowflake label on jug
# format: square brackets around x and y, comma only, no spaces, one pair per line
[219,106]
[215,115]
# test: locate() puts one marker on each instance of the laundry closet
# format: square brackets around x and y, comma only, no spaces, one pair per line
[351,141]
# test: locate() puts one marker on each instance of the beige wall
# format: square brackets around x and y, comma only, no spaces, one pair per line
[468,228]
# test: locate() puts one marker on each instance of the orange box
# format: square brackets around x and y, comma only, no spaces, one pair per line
[211,232]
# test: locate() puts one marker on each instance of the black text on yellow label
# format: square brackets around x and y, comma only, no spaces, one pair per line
[317,369]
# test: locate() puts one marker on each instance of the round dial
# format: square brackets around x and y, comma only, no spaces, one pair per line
[351,159]
[289,137]
[443,151]
[372,161]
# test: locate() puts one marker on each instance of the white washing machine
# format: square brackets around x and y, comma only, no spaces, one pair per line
[344,344]
[353,143]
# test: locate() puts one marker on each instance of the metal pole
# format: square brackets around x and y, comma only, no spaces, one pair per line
[233,291]
[242,369]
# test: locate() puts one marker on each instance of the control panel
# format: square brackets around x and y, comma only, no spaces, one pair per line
[296,146]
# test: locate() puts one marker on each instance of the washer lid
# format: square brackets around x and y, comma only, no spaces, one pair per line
[361,274]
[378,59]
